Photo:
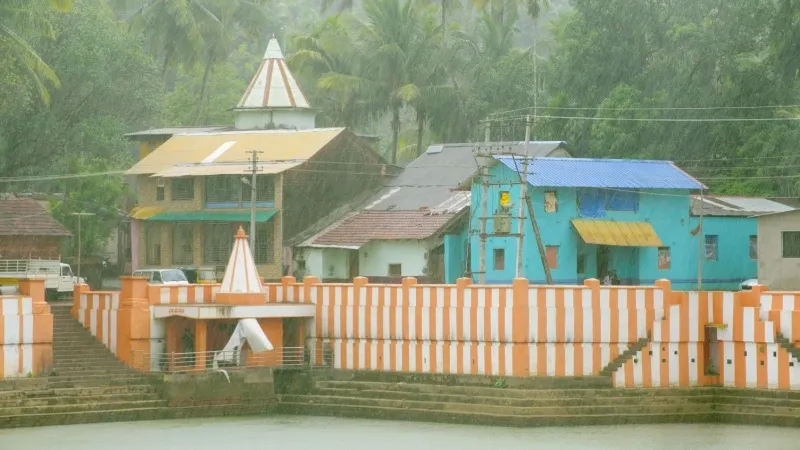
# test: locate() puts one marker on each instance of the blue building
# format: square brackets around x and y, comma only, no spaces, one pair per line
[600,215]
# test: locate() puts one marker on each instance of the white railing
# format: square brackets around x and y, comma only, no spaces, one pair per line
[231,360]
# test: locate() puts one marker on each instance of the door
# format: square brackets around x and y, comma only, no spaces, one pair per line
[352,257]
[602,261]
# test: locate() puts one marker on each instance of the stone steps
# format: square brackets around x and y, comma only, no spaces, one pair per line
[79,392]
[532,382]
[565,399]
[121,415]
[472,408]
[85,406]
[76,399]
[503,392]
[425,415]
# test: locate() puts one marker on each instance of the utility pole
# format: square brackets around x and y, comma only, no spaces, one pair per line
[80,214]
[523,175]
[484,194]
[700,245]
[523,195]
[254,171]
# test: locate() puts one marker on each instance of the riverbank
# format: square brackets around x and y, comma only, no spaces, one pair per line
[346,434]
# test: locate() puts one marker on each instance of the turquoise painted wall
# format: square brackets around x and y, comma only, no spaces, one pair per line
[455,247]
[666,210]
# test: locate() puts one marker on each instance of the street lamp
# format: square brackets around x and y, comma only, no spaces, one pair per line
[80,214]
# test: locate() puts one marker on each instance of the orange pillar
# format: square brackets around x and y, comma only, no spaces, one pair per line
[200,339]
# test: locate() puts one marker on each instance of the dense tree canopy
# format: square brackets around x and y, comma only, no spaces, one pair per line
[711,84]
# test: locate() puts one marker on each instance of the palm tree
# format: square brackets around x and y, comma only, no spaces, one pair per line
[19,18]
[184,33]
[390,46]
[508,10]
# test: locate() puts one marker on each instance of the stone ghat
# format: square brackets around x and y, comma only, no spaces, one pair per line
[531,402]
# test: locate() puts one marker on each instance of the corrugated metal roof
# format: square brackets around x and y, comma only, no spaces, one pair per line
[273,85]
[227,147]
[201,170]
[171,131]
[603,173]
[736,206]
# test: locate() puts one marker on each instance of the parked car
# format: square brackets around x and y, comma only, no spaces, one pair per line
[162,276]
[748,284]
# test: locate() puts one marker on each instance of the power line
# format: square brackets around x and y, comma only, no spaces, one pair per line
[643,108]
[661,119]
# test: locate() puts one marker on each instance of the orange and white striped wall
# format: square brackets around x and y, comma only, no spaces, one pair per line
[517,330]
[97,311]
[26,332]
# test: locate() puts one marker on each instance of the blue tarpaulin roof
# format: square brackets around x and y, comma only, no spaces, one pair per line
[603,173]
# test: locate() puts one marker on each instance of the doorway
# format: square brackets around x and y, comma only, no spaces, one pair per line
[352,258]
[603,256]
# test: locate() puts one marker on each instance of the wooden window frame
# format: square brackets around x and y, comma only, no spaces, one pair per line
[182,188]
[499,255]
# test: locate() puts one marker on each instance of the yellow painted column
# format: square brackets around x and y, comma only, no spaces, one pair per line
[200,338]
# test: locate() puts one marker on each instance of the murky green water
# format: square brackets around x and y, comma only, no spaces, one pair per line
[303,433]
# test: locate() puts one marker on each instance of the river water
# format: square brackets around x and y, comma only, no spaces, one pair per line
[279,432]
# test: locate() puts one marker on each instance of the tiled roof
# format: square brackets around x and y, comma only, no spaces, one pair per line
[603,173]
[365,226]
[736,206]
[26,217]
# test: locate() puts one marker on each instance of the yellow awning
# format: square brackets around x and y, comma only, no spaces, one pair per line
[145,212]
[621,234]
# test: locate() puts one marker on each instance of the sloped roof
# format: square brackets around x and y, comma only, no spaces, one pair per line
[425,196]
[232,146]
[273,85]
[603,173]
[26,217]
[171,131]
[716,205]
[364,226]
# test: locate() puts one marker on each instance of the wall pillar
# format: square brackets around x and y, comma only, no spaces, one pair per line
[135,230]
[77,293]
[200,340]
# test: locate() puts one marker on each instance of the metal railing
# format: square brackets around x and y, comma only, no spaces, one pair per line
[308,357]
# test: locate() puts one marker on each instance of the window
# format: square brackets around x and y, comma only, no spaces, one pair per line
[222,189]
[265,242]
[552,256]
[499,259]
[791,244]
[156,277]
[753,247]
[183,243]
[581,263]
[152,238]
[160,192]
[395,270]
[182,188]
[622,201]
[550,202]
[664,258]
[217,242]
[265,189]
[711,247]
[231,189]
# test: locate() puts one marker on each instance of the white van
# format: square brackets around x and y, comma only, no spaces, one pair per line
[162,276]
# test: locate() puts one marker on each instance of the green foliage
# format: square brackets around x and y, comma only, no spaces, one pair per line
[97,195]
[19,20]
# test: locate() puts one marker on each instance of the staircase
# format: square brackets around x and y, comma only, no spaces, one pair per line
[787,345]
[575,403]
[614,365]
[89,384]
[527,404]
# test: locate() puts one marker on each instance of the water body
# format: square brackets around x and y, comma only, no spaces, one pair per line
[277,432]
